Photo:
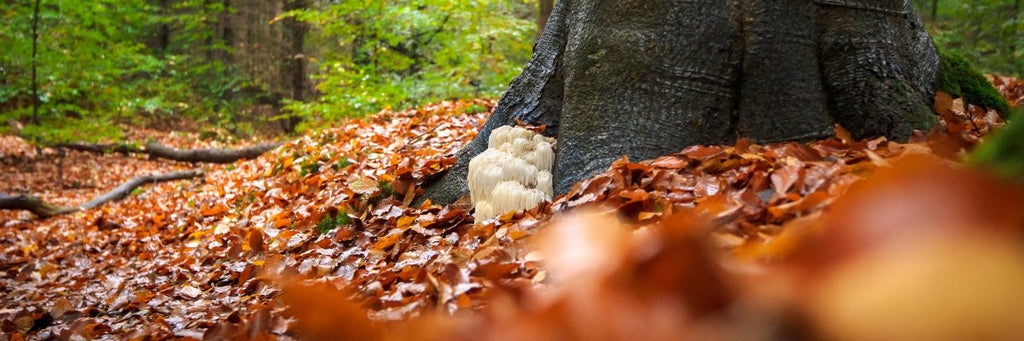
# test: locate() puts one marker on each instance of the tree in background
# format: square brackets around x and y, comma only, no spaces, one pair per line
[69,57]
[372,55]
[544,8]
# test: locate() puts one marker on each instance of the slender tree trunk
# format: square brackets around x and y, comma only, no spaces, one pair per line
[545,7]
[1017,29]
[35,62]
[935,9]
[163,33]
[227,34]
[295,69]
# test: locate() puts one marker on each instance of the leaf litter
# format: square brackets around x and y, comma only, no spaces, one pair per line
[317,240]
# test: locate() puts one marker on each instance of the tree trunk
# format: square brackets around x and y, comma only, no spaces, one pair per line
[294,72]
[35,62]
[163,31]
[645,78]
[544,11]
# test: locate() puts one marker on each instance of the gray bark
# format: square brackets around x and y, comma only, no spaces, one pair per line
[535,96]
[645,78]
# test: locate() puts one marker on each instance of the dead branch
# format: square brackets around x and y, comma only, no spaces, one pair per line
[157,150]
[101,148]
[46,210]
[33,204]
[212,155]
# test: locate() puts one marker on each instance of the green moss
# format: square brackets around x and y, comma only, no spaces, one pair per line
[959,79]
[1003,151]
[329,222]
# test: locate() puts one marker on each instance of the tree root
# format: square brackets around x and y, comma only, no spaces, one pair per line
[45,210]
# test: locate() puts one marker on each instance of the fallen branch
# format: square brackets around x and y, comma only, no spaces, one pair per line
[101,148]
[157,150]
[126,188]
[34,205]
[212,155]
[46,210]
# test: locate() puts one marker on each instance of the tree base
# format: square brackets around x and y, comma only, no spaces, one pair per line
[648,78]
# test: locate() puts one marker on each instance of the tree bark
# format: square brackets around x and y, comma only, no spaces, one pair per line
[157,150]
[646,78]
[46,210]
[535,96]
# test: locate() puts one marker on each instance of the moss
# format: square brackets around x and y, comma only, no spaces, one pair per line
[384,190]
[959,79]
[330,222]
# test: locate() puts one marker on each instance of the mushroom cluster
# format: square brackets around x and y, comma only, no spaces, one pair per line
[514,173]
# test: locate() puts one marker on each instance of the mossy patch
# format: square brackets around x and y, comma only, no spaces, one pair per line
[331,222]
[958,78]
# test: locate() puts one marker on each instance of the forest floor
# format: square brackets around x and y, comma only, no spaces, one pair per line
[317,240]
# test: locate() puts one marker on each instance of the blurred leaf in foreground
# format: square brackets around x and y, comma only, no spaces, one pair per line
[1003,153]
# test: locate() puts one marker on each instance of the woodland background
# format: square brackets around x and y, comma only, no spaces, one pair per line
[319,239]
[234,68]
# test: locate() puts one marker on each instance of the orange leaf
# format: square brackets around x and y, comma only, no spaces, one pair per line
[158,219]
[405,221]
[388,240]
[322,312]
[647,215]
[215,210]
[283,222]
[843,134]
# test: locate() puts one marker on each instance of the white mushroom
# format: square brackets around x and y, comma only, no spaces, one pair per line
[514,173]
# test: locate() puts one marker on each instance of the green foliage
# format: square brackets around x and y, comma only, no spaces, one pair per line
[95,71]
[1003,152]
[476,109]
[85,49]
[377,55]
[988,32]
[330,222]
[106,63]
[959,79]
[63,129]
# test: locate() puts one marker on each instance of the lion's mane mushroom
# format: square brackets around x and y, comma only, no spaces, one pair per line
[514,173]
